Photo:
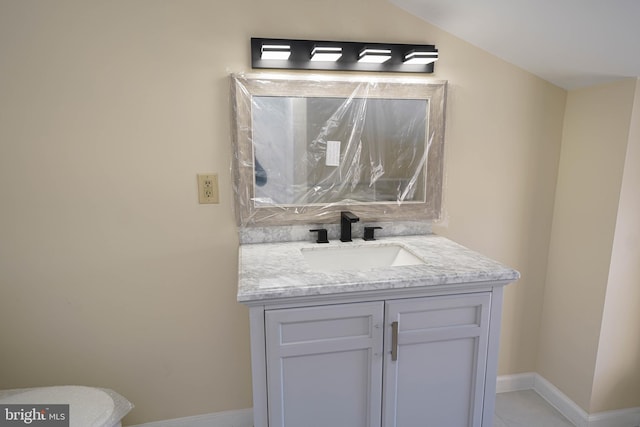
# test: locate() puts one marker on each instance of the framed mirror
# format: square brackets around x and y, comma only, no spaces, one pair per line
[307,147]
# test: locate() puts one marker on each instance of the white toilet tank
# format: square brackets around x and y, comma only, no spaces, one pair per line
[88,406]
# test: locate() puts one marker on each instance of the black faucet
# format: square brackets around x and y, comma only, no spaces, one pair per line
[346,219]
[369,233]
[322,235]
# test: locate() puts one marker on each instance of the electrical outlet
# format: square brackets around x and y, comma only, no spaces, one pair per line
[207,188]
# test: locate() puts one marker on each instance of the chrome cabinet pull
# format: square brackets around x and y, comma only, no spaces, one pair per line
[394,341]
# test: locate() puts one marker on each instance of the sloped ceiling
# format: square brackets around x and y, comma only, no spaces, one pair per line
[571,43]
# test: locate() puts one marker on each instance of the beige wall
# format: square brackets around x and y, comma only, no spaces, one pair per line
[502,150]
[594,148]
[112,275]
[616,381]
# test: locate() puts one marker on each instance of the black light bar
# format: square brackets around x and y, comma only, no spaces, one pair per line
[342,56]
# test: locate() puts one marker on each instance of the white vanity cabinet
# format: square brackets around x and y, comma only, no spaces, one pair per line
[436,360]
[393,363]
[406,346]
[324,365]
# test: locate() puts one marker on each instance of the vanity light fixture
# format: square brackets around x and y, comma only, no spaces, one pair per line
[326,53]
[279,52]
[288,54]
[414,57]
[374,56]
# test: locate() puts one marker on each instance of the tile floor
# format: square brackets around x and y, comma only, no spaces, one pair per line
[526,409]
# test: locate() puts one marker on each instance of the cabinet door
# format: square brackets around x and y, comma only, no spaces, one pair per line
[324,365]
[435,376]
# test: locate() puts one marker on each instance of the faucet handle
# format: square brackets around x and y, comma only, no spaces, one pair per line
[368,232]
[322,235]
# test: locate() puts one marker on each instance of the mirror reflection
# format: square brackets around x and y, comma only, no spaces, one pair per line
[328,149]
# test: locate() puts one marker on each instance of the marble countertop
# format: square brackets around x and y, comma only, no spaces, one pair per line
[278,270]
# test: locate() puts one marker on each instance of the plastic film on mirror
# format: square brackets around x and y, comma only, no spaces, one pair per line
[307,147]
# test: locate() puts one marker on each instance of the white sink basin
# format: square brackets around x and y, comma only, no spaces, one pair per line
[363,257]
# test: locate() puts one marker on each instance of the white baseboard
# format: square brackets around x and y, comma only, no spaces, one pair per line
[515,382]
[240,418]
[561,402]
[567,407]
[506,383]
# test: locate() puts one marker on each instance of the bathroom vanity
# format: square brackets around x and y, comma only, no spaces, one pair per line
[394,332]
[411,340]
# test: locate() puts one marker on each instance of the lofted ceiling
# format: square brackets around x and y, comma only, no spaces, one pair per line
[571,43]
